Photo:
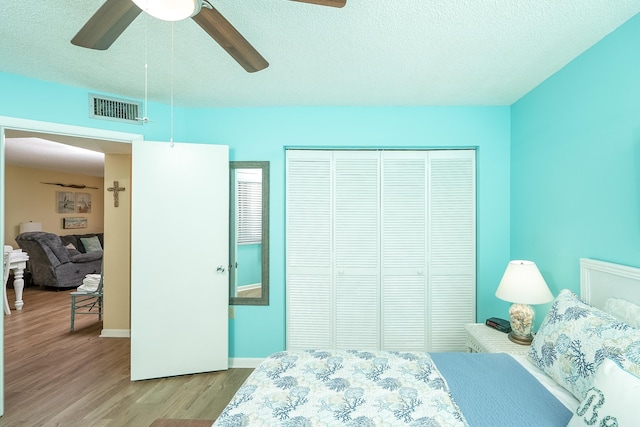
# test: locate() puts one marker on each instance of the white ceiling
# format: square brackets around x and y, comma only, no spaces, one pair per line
[371,52]
[62,153]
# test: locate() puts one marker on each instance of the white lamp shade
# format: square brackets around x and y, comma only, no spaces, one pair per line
[170,10]
[30,226]
[522,283]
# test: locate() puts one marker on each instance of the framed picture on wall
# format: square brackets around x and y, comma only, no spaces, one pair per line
[68,223]
[83,203]
[65,202]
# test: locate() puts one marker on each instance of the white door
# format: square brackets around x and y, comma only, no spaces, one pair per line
[404,212]
[309,250]
[179,244]
[356,236]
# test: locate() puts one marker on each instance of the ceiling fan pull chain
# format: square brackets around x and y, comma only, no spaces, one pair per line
[171,139]
[145,119]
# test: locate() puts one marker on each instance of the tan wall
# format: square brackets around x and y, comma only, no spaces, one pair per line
[117,236]
[27,199]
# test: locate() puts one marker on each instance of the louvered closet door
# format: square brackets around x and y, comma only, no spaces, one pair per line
[356,243]
[451,251]
[309,250]
[403,246]
[380,249]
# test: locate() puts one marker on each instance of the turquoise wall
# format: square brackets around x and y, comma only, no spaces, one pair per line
[263,134]
[249,264]
[575,163]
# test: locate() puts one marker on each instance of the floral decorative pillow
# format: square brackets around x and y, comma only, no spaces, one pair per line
[575,338]
[612,400]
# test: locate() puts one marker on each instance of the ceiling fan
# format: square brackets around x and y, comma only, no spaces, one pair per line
[114,16]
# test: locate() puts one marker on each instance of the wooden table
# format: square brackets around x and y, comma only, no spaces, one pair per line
[17,264]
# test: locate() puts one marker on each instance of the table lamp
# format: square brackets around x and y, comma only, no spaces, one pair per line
[30,226]
[522,284]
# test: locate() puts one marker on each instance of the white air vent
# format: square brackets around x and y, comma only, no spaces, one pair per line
[102,107]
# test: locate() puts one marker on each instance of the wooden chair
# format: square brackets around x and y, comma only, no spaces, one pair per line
[83,302]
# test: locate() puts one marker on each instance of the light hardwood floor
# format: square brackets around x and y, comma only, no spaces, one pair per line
[54,377]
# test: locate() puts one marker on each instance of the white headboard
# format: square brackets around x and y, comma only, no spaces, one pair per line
[600,280]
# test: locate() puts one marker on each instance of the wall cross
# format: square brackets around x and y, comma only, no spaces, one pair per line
[116,189]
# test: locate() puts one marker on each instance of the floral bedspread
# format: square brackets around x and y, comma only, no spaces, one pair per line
[343,388]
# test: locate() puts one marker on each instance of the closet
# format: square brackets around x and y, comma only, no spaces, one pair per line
[380,249]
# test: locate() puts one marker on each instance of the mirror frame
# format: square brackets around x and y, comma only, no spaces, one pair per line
[264,166]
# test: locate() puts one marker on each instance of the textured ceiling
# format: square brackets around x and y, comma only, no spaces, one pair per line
[371,52]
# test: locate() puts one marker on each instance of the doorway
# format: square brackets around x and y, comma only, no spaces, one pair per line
[109,142]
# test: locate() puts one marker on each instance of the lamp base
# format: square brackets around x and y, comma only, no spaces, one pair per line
[521,318]
[520,339]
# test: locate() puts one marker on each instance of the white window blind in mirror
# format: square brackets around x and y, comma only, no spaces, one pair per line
[249,206]
[380,249]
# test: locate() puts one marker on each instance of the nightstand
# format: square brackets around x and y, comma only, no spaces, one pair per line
[483,339]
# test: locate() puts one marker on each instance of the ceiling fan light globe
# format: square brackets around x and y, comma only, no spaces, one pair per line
[170,10]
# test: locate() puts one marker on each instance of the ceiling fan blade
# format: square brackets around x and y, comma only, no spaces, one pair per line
[230,39]
[332,3]
[106,25]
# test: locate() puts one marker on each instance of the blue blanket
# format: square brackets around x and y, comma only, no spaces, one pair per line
[503,382]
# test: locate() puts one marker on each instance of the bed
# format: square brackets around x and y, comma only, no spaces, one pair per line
[583,368]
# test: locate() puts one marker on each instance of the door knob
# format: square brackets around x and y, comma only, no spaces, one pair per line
[220,269]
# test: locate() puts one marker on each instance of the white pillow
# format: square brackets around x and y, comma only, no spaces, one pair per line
[623,310]
[612,400]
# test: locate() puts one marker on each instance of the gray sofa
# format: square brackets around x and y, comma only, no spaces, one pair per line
[55,264]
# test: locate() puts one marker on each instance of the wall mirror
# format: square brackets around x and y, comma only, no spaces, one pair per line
[249,233]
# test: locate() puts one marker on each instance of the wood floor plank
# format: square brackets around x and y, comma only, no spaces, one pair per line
[54,377]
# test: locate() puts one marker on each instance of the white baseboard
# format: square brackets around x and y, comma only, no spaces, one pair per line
[244,362]
[249,287]
[115,333]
